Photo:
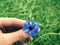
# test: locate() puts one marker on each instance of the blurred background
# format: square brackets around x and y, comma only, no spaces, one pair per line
[45,12]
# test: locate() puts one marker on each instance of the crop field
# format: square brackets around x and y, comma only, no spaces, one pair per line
[45,12]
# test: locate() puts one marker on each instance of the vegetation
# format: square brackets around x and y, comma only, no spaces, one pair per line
[45,12]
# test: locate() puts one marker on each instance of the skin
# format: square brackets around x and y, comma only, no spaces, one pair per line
[14,31]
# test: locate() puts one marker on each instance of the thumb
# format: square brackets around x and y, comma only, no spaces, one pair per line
[15,36]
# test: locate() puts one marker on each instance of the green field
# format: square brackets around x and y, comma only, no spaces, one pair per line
[45,12]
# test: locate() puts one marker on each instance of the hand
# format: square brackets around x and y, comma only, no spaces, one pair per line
[13,32]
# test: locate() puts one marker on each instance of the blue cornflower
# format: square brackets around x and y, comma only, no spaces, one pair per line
[30,28]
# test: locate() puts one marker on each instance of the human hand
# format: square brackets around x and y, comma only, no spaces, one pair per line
[13,32]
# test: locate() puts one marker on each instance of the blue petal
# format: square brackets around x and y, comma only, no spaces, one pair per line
[28,33]
[34,32]
[28,22]
[33,22]
[25,27]
[35,26]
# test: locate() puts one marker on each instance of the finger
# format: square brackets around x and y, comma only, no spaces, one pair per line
[11,24]
[38,30]
[11,21]
[29,39]
[13,37]
[20,43]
